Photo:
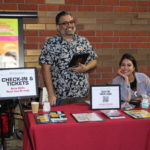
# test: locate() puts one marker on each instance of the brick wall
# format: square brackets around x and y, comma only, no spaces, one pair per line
[112,26]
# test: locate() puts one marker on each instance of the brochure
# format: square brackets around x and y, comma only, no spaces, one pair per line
[42,118]
[113,114]
[57,116]
[87,117]
[138,114]
[52,117]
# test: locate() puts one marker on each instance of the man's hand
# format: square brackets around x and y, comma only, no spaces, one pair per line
[79,68]
[52,100]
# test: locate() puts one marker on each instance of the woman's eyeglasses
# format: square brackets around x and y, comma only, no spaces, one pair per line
[67,22]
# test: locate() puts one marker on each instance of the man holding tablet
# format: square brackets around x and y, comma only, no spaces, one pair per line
[68,84]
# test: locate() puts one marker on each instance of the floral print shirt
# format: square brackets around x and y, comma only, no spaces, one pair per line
[58,53]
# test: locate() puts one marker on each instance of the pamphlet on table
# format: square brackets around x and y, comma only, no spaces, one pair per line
[42,118]
[138,114]
[52,117]
[57,116]
[113,114]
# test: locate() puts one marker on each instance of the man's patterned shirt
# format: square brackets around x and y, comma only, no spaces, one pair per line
[58,53]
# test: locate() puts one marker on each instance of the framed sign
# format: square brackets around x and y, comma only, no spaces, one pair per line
[105,97]
[17,83]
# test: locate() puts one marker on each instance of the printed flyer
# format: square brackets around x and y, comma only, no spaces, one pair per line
[138,114]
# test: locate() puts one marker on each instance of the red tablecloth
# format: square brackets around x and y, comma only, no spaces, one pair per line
[118,134]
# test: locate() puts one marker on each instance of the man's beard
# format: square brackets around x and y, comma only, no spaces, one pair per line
[65,33]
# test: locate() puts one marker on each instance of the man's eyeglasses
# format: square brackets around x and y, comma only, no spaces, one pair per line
[67,22]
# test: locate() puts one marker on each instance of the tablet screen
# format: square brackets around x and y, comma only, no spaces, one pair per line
[78,58]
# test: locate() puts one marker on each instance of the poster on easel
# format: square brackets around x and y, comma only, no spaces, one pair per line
[18,83]
[11,45]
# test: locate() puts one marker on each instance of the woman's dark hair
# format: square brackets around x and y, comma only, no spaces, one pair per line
[59,15]
[131,58]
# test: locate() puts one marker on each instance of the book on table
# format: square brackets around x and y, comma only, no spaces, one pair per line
[138,113]
[113,114]
[87,117]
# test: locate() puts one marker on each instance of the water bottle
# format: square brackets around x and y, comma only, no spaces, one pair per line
[145,101]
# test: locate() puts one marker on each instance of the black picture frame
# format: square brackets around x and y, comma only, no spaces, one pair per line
[105,97]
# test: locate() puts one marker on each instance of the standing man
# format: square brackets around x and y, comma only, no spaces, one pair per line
[64,83]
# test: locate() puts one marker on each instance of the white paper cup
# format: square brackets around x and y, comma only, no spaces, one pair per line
[46,107]
[35,107]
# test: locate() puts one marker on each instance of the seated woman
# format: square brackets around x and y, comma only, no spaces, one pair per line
[133,84]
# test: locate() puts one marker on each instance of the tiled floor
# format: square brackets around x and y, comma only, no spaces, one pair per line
[14,142]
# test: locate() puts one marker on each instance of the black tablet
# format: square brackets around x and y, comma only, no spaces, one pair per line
[78,58]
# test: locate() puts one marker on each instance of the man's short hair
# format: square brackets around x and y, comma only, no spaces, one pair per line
[60,14]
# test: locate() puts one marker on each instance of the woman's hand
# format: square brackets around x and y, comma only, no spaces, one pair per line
[139,98]
[123,75]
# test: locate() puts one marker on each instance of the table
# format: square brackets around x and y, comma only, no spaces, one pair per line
[118,134]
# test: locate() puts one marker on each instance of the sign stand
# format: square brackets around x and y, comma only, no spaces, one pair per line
[25,124]
[17,83]
[2,135]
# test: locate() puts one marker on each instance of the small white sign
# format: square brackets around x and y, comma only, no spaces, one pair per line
[17,83]
[105,96]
